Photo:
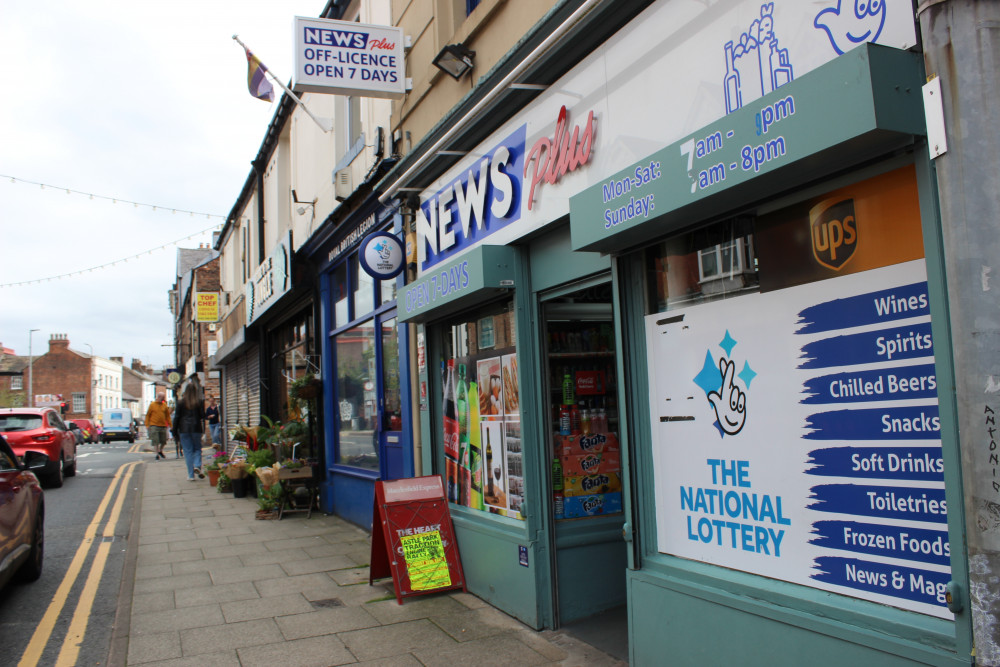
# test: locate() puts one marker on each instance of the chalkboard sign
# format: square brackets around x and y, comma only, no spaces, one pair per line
[413,539]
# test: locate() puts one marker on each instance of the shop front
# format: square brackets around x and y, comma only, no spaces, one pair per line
[682,345]
[793,463]
[364,353]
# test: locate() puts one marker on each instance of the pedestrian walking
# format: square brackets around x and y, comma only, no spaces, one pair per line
[157,423]
[214,426]
[188,427]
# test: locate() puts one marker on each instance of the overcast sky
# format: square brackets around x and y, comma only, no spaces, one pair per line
[144,102]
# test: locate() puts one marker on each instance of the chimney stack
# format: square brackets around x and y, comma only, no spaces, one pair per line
[58,341]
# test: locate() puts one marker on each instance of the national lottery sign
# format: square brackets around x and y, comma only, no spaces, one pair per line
[796,435]
[348,58]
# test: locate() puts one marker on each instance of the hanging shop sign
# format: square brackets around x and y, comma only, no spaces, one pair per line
[757,147]
[381,255]
[348,58]
[271,281]
[206,306]
[796,430]
[413,539]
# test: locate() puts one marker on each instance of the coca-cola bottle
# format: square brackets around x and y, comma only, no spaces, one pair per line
[451,426]
[462,405]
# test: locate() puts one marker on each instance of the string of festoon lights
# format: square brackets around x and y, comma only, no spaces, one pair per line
[123,260]
[113,200]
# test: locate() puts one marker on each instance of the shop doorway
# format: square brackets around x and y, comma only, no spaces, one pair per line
[589,554]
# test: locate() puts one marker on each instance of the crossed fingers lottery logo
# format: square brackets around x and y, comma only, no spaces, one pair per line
[726,390]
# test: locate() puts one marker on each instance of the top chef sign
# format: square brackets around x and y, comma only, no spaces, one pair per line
[348,58]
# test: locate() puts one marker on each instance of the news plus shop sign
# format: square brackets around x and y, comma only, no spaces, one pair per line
[336,53]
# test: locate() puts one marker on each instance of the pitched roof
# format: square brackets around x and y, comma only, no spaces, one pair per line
[11,363]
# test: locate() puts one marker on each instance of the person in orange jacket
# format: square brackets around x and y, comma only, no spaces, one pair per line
[158,423]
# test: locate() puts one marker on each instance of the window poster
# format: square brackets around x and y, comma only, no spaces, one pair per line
[796,435]
[482,423]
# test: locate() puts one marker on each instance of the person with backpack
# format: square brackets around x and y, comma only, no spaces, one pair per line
[189,417]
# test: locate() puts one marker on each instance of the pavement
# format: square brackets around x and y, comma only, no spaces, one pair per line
[213,585]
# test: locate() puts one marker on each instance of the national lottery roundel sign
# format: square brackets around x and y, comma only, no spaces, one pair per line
[382,255]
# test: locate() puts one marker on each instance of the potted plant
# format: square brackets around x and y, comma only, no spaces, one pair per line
[261,458]
[224,485]
[236,471]
[214,467]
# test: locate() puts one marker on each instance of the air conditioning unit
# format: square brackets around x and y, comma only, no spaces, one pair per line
[342,186]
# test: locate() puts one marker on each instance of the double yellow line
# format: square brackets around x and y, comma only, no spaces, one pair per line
[70,650]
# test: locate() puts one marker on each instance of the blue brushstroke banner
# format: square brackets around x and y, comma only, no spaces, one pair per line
[895,463]
[899,582]
[916,544]
[884,502]
[892,423]
[889,384]
[907,342]
[886,305]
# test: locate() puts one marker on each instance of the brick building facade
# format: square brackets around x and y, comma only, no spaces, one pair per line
[65,371]
[197,271]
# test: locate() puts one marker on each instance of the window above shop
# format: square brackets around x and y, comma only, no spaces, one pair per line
[707,264]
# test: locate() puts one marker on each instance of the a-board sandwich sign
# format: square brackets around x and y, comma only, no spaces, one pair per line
[413,539]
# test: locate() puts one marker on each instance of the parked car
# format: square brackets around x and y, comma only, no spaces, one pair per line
[88,427]
[41,430]
[22,515]
[118,425]
[77,432]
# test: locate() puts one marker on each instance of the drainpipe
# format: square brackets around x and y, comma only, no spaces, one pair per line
[961,40]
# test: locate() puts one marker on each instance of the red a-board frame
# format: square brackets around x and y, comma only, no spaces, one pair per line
[402,507]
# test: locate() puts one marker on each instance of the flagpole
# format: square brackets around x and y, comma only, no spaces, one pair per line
[325,124]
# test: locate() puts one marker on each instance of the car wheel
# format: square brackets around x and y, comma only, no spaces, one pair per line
[56,478]
[31,569]
[131,440]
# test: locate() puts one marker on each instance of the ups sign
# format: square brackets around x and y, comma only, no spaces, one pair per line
[834,232]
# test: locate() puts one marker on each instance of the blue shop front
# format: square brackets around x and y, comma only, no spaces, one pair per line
[365,398]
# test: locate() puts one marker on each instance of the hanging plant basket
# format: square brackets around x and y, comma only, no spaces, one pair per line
[307,390]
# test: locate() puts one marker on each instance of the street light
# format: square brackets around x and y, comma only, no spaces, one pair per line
[31,371]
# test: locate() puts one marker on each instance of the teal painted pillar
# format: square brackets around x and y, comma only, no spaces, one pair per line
[962,46]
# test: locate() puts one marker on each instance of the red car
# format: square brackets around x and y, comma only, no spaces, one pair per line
[41,430]
[22,516]
[88,427]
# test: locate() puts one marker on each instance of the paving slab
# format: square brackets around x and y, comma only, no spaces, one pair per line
[232,636]
[310,652]
[155,647]
[325,622]
[276,607]
[176,619]
[416,637]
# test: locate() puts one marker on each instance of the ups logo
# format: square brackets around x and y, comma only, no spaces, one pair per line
[834,232]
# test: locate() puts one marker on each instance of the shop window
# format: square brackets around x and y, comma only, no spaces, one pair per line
[481,429]
[387,291]
[339,290]
[708,264]
[356,397]
[392,410]
[363,289]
